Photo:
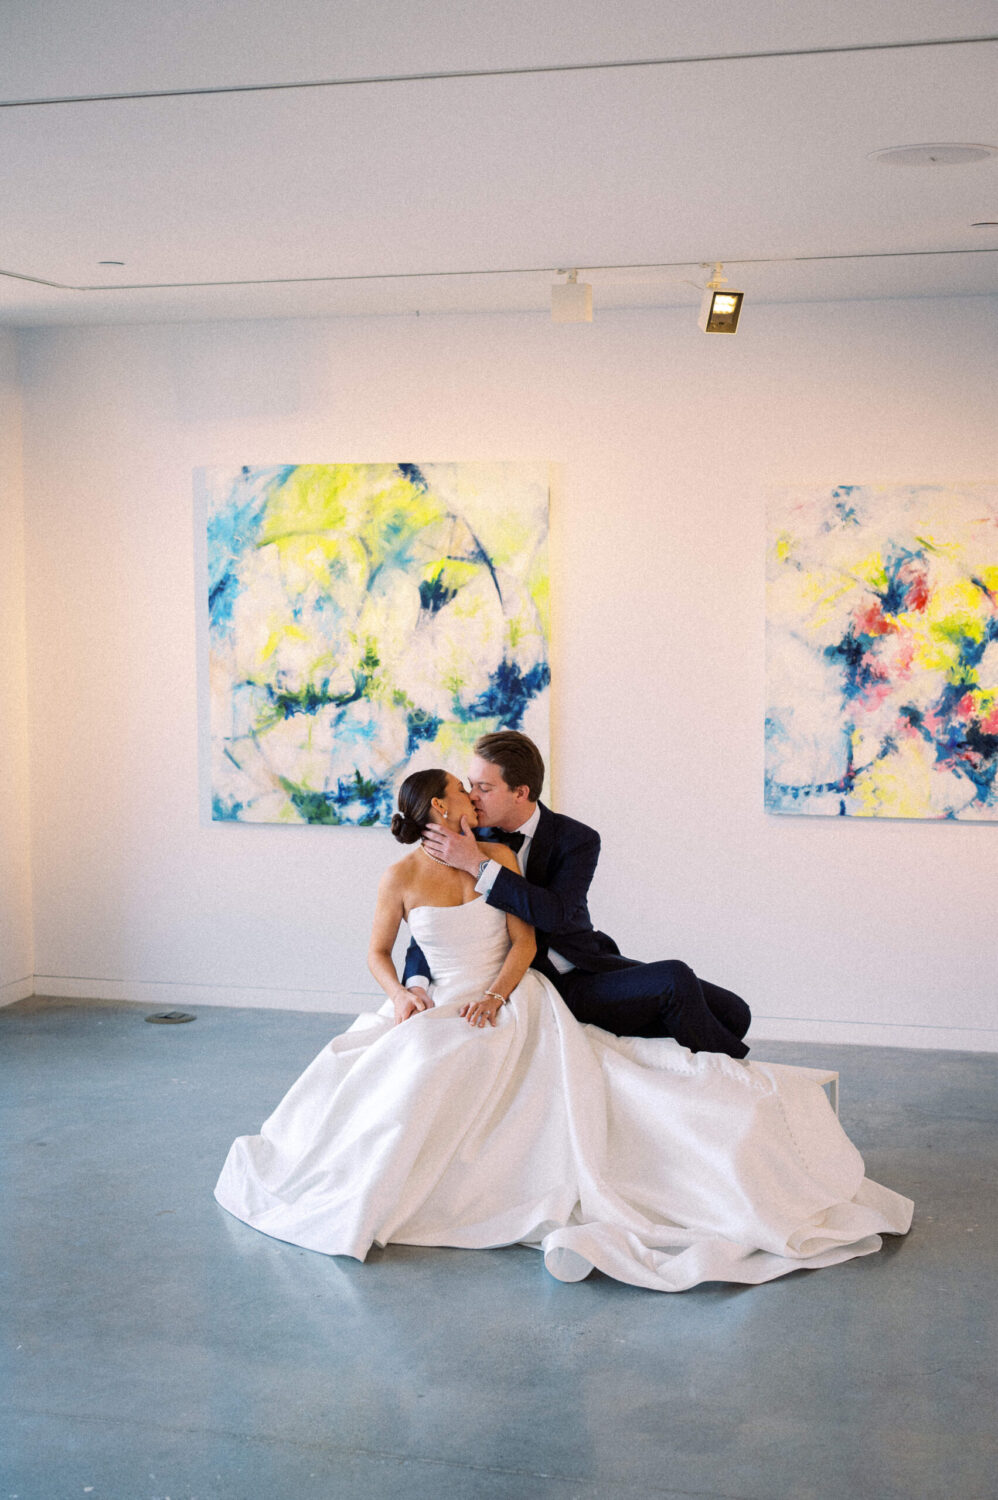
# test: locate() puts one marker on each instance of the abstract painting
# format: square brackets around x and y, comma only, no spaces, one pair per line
[882,652]
[368,620]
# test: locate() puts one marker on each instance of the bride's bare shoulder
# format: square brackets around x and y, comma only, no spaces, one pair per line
[402,871]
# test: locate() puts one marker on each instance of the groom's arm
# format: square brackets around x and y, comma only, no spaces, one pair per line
[416,970]
[562,902]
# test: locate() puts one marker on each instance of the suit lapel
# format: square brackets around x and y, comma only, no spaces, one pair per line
[539,853]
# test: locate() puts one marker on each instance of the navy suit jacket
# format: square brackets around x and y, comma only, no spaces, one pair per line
[553,896]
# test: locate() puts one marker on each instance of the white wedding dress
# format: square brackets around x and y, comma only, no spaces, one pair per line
[660,1167]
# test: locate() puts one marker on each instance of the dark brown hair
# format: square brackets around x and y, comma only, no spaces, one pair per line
[415,796]
[517,757]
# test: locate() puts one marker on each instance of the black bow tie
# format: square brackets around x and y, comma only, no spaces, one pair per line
[514,841]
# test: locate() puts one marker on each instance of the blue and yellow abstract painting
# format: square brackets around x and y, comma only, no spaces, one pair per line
[368,620]
[882,652]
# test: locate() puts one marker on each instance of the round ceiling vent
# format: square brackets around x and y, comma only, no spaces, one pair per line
[942,155]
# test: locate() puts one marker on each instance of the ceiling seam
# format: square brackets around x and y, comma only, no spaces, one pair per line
[660,265]
[514,72]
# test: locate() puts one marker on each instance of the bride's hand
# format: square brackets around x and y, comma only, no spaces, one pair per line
[410,1002]
[482,1012]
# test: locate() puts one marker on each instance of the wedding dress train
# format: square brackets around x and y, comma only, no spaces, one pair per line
[660,1167]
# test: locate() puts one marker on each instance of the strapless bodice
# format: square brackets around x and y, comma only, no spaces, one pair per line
[464,946]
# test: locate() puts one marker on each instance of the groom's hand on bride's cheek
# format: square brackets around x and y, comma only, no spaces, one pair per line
[457,849]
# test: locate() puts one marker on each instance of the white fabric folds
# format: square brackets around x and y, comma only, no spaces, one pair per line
[657,1166]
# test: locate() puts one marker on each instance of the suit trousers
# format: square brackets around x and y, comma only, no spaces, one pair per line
[664,998]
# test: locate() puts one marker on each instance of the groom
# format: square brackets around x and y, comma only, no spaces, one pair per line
[557,858]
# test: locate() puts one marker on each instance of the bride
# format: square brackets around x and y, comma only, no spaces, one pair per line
[486,1115]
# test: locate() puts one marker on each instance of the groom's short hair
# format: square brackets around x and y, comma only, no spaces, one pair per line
[517,757]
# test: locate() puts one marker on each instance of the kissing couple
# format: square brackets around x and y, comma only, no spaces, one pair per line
[547,887]
[594,1108]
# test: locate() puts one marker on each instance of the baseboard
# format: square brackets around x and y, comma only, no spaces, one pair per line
[175,996]
[873,1034]
[17,989]
[355,1002]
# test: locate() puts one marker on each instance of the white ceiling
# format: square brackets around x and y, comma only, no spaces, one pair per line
[762,161]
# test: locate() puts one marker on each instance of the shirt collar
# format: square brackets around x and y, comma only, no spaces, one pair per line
[529,828]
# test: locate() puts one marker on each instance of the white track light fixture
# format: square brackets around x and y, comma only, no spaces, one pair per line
[571,300]
[721,307]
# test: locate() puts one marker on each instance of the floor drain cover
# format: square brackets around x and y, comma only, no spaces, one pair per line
[170,1017]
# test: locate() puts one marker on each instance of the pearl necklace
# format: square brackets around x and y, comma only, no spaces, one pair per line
[434,858]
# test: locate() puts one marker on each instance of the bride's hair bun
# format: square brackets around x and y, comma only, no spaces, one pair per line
[416,796]
[404,829]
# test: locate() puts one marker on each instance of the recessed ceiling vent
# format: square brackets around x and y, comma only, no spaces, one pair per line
[942,155]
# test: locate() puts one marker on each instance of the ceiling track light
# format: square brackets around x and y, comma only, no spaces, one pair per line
[721,307]
[571,300]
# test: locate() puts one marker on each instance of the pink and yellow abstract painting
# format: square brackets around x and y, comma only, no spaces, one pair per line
[882,652]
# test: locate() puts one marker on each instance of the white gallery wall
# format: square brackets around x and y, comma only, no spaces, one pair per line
[852,930]
[16,960]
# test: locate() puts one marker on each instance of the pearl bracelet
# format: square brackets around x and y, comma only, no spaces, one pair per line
[493,995]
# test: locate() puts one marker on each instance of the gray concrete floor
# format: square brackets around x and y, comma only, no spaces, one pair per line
[154,1347]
